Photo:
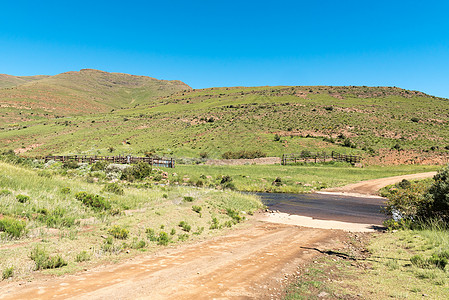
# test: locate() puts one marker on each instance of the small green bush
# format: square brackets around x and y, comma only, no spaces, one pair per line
[65,190]
[44,261]
[114,188]
[100,165]
[196,208]
[82,256]
[234,215]
[138,171]
[12,227]
[435,261]
[23,198]
[5,193]
[214,224]
[118,232]
[183,237]
[243,154]
[188,199]
[151,234]
[163,239]
[185,226]
[173,231]
[138,244]
[70,164]
[96,202]
[8,273]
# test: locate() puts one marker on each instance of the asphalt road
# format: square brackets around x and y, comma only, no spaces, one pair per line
[327,207]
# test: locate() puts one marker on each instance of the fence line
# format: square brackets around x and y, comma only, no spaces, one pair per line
[306,156]
[157,162]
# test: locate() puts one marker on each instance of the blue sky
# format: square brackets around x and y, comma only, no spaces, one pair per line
[234,43]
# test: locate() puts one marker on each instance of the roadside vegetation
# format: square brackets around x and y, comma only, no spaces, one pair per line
[410,260]
[60,218]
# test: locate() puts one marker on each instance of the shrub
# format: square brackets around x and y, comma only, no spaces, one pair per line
[414,119]
[185,226]
[277,181]
[5,193]
[183,237]
[65,190]
[243,154]
[138,171]
[204,155]
[94,201]
[438,196]
[396,147]
[100,165]
[188,199]
[435,261]
[226,182]
[214,224]
[109,246]
[82,256]
[118,232]
[151,234]
[277,137]
[406,203]
[114,188]
[23,198]
[12,227]
[163,239]
[138,244]
[44,261]
[70,164]
[8,273]
[196,208]
[234,215]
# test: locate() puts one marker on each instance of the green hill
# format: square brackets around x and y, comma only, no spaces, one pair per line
[77,93]
[12,81]
[386,124]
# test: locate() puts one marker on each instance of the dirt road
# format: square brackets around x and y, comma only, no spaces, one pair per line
[370,187]
[245,263]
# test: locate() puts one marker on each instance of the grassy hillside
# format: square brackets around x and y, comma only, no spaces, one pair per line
[379,123]
[77,93]
[11,81]
[41,209]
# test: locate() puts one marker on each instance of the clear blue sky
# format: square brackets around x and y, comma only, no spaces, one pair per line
[234,43]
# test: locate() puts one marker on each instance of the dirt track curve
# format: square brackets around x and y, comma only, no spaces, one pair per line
[370,187]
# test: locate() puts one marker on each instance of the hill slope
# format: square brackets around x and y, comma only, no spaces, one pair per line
[77,93]
[387,123]
[11,81]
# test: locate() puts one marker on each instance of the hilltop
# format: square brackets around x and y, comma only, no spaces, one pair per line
[77,93]
[12,81]
[129,115]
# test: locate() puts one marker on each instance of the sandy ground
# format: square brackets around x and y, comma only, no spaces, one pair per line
[246,263]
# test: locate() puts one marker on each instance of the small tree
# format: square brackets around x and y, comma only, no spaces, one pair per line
[439,195]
